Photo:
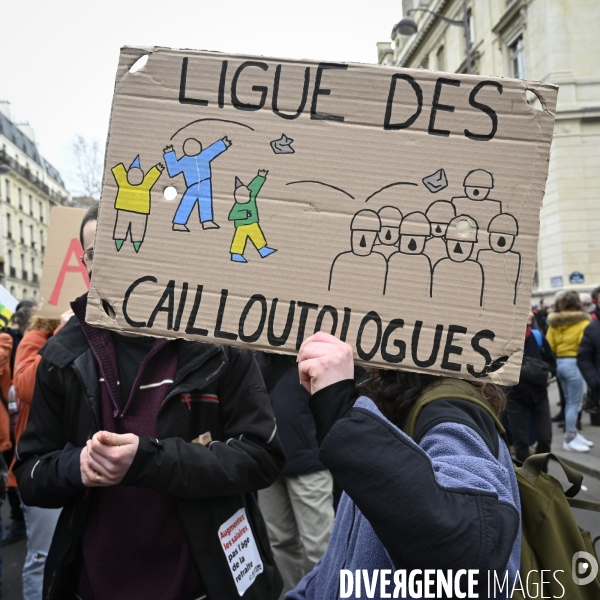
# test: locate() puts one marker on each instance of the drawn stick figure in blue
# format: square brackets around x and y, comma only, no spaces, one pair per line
[195,166]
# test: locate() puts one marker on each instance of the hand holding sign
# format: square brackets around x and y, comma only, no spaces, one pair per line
[323,360]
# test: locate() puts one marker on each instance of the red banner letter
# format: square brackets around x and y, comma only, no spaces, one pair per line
[76,250]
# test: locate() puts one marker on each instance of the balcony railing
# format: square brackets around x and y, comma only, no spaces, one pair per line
[27,174]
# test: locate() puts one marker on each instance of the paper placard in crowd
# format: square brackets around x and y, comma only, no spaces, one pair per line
[251,201]
[64,276]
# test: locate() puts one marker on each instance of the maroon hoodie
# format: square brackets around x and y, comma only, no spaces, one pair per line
[133,547]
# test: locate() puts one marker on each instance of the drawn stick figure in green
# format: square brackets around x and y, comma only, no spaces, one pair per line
[244,215]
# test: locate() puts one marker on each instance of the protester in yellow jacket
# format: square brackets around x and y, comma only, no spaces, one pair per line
[564,335]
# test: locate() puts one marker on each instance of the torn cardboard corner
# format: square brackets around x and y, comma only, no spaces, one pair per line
[64,276]
[254,201]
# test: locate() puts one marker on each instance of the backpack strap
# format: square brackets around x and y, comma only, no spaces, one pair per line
[449,388]
[537,463]
[539,338]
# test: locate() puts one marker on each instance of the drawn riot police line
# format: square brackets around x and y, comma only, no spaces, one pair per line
[466,239]
[361,261]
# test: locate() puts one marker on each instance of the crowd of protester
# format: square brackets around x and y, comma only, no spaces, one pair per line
[133,451]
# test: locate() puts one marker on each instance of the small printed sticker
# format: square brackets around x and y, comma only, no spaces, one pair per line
[203,439]
[240,550]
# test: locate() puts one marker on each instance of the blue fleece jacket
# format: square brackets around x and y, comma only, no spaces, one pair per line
[461,463]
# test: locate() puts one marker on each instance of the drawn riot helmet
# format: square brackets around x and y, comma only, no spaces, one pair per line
[391,217]
[414,231]
[440,213]
[365,226]
[478,184]
[461,237]
[503,230]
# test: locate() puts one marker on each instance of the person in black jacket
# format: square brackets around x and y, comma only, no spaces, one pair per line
[588,361]
[298,506]
[155,450]
[526,399]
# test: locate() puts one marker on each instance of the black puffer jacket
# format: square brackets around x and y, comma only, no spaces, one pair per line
[210,484]
[588,357]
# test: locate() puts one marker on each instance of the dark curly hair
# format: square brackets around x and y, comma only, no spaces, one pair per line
[395,392]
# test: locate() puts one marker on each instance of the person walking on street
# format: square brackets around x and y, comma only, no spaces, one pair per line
[565,331]
[530,395]
[155,450]
[298,507]
[588,361]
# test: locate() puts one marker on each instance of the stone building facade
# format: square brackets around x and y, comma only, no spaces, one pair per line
[546,40]
[29,187]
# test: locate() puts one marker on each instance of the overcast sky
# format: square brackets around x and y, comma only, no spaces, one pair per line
[58,59]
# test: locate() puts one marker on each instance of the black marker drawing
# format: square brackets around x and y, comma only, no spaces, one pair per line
[321,183]
[409,269]
[501,265]
[283,145]
[439,213]
[361,261]
[389,185]
[476,201]
[436,182]
[388,236]
[219,120]
[459,267]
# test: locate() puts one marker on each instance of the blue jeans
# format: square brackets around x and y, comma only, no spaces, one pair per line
[200,192]
[573,387]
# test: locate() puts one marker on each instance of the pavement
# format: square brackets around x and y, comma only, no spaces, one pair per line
[13,557]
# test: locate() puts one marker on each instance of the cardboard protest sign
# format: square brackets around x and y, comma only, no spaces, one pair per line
[64,276]
[252,201]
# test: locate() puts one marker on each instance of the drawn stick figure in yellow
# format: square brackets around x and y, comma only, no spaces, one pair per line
[133,201]
[244,215]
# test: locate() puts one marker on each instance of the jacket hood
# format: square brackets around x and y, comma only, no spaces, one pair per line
[567,318]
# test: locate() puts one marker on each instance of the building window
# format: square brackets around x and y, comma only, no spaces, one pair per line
[20,197]
[42,241]
[7,184]
[440,56]
[41,212]
[31,234]
[8,227]
[516,49]
[11,269]
[31,205]
[471,21]
[33,273]
[23,271]
[21,232]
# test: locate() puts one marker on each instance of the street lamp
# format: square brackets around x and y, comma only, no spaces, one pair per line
[408,27]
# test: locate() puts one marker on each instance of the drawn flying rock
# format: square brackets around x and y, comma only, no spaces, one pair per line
[436,182]
[283,145]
